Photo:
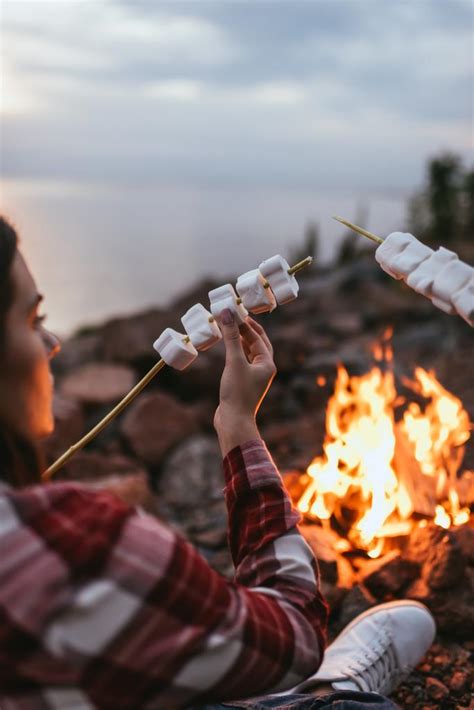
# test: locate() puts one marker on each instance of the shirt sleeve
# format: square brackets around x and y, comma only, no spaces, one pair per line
[143,620]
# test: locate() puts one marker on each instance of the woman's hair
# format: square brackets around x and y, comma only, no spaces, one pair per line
[19,459]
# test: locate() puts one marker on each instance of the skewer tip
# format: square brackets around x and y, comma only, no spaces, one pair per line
[359,230]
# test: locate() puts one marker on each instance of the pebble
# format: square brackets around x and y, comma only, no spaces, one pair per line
[436,689]
[458,681]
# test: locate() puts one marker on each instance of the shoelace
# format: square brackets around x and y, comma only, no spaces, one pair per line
[381,670]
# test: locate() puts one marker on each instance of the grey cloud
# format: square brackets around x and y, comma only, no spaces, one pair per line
[353,60]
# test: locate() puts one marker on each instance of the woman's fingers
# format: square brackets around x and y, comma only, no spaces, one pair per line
[247,352]
[261,331]
[254,341]
[231,336]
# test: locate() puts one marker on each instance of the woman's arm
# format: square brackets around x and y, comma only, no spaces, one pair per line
[122,612]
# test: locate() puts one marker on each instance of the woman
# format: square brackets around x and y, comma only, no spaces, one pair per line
[103,607]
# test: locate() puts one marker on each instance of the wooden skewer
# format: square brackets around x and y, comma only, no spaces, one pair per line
[300,265]
[103,423]
[59,463]
[364,232]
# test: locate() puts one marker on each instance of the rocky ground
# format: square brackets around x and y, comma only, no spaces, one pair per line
[161,452]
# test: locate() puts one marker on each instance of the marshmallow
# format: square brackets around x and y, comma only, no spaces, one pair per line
[390,248]
[284,285]
[421,279]
[174,350]
[202,333]
[452,278]
[225,297]
[255,297]
[411,258]
[463,301]
[443,305]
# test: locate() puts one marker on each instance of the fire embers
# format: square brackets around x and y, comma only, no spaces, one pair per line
[387,459]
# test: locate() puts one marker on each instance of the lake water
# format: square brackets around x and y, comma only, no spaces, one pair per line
[102,250]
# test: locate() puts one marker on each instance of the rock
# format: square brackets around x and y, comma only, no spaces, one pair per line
[439,553]
[212,539]
[453,611]
[292,345]
[98,383]
[421,541]
[464,535]
[130,339]
[92,465]
[346,323]
[221,561]
[77,351]
[321,542]
[69,426]
[133,489]
[459,681]
[357,600]
[334,595]
[445,564]
[295,443]
[389,574]
[436,689]
[190,491]
[154,423]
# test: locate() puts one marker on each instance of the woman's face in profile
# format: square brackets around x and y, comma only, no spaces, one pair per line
[26,383]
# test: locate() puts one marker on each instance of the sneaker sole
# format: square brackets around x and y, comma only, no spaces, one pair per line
[382,607]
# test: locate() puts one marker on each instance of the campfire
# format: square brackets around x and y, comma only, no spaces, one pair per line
[391,461]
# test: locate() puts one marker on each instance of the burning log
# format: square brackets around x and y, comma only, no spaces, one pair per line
[388,575]
[420,489]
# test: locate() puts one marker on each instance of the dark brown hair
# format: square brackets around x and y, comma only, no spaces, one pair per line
[19,459]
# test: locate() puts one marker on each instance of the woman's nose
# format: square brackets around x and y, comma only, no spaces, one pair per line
[52,343]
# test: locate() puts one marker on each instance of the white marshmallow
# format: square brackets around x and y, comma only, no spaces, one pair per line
[225,297]
[445,306]
[202,333]
[390,249]
[284,285]
[411,258]
[463,301]
[255,297]
[452,278]
[421,279]
[174,350]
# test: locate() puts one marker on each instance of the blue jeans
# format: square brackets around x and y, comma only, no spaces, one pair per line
[341,700]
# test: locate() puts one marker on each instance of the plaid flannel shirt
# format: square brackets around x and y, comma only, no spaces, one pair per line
[103,607]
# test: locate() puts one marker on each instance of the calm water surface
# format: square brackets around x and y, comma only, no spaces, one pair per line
[103,250]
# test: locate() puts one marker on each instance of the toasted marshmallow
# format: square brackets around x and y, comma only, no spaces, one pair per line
[202,332]
[225,297]
[390,249]
[284,285]
[255,297]
[422,278]
[451,279]
[463,301]
[174,349]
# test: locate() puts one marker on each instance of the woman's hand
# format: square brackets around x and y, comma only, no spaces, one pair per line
[248,372]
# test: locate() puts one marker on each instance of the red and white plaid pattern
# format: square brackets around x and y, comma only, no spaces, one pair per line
[103,607]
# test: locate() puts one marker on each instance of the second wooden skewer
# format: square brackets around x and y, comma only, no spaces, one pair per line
[364,232]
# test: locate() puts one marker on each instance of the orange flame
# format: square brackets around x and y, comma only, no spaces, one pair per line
[356,471]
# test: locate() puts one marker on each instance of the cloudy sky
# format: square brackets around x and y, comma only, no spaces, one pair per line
[219,120]
[327,92]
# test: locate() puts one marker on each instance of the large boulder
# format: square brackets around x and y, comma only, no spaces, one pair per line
[77,351]
[98,383]
[190,491]
[69,426]
[131,339]
[155,423]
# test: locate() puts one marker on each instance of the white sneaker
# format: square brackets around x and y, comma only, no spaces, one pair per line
[377,649]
